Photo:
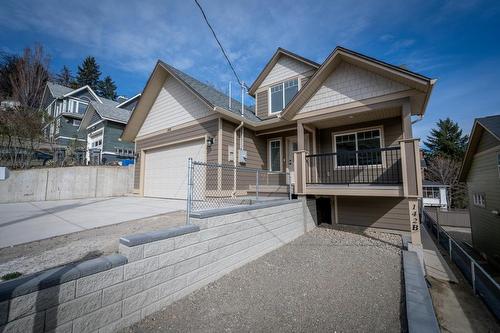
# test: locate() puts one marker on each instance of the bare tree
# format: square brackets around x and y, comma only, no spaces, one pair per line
[446,170]
[21,124]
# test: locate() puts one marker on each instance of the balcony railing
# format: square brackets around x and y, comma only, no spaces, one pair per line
[374,166]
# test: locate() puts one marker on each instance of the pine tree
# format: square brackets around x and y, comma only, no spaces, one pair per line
[107,88]
[65,77]
[88,73]
[447,140]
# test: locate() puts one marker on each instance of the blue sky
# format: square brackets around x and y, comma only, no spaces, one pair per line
[456,42]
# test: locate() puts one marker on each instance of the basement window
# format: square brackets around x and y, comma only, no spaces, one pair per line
[479,199]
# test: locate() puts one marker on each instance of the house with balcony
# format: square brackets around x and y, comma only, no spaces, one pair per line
[80,118]
[342,129]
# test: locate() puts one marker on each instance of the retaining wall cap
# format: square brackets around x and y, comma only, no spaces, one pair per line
[419,310]
[58,275]
[148,237]
[243,208]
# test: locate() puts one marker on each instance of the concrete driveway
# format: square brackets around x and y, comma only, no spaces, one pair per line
[30,221]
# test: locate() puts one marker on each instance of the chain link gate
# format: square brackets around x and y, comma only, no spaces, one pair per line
[212,186]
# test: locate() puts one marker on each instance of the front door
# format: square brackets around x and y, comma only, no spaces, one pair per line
[291,147]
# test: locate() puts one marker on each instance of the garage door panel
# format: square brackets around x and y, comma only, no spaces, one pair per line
[165,173]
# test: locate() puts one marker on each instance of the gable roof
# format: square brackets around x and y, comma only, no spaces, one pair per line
[57,90]
[97,98]
[339,54]
[210,96]
[272,62]
[489,124]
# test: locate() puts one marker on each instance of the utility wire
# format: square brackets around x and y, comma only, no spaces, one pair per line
[220,45]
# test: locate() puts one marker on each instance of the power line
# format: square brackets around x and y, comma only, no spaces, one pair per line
[218,42]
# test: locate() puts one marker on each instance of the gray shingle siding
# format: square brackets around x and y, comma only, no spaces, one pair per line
[112,132]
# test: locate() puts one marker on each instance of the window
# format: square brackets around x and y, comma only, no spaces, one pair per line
[275,155]
[281,94]
[359,148]
[76,122]
[431,192]
[479,199]
[82,107]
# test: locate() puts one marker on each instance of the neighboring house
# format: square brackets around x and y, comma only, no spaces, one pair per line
[342,128]
[67,108]
[104,123]
[435,194]
[481,171]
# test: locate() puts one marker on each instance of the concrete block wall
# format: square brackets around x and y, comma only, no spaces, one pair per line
[153,270]
[66,183]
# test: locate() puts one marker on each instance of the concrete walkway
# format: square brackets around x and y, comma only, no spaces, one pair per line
[31,221]
[435,265]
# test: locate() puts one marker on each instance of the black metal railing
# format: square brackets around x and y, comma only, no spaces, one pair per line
[373,166]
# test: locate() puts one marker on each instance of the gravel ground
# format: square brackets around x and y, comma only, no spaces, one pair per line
[327,280]
[36,256]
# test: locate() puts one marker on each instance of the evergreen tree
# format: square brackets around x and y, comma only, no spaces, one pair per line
[107,88]
[88,73]
[65,77]
[447,140]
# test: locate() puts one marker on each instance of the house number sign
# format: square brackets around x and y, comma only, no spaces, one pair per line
[414,218]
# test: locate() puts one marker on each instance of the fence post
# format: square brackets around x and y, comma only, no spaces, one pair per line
[189,190]
[437,224]
[257,185]
[449,247]
[289,186]
[473,274]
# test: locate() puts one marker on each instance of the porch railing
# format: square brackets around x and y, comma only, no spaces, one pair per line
[373,166]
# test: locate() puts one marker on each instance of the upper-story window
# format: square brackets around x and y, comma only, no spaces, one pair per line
[281,94]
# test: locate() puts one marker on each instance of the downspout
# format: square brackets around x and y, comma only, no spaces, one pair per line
[235,134]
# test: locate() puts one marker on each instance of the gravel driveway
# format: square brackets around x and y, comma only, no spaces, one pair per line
[327,280]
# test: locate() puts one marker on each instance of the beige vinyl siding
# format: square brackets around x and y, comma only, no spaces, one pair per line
[262,105]
[392,127]
[173,106]
[483,177]
[256,156]
[209,128]
[374,212]
[349,83]
[285,68]
[392,132]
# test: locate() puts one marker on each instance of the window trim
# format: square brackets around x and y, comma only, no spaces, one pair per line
[280,140]
[355,132]
[282,83]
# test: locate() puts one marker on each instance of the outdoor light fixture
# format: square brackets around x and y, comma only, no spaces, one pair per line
[210,142]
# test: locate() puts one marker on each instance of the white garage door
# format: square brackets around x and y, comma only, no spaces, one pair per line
[165,172]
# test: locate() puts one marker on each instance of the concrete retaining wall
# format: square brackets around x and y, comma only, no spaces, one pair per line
[160,267]
[66,183]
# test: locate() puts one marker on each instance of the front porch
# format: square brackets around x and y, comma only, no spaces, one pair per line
[367,152]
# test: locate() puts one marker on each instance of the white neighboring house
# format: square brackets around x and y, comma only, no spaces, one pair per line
[435,194]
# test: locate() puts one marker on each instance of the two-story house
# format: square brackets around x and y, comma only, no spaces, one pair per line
[343,129]
[103,124]
[67,109]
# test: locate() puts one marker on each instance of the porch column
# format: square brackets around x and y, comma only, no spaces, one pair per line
[412,183]
[300,136]
[406,120]
[412,177]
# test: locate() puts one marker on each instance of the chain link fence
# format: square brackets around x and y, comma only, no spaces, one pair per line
[212,186]
[482,283]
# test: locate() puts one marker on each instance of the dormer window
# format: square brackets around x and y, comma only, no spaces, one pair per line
[281,94]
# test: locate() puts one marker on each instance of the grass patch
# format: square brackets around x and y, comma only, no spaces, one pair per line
[10,276]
